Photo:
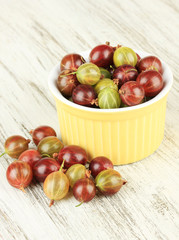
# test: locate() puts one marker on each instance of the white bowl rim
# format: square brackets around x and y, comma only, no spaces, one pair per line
[167,76]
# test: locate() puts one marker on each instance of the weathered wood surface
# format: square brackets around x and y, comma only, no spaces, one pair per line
[34,35]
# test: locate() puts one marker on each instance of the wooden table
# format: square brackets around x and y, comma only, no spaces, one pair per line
[34,35]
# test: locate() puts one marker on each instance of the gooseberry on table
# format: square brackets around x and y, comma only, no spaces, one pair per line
[151,81]
[150,63]
[71,61]
[108,98]
[56,186]
[84,95]
[41,132]
[84,190]
[67,83]
[109,181]
[76,172]
[103,83]
[31,156]
[105,73]
[124,55]
[44,167]
[49,145]
[99,164]
[102,55]
[15,145]
[131,93]
[19,174]
[72,154]
[124,73]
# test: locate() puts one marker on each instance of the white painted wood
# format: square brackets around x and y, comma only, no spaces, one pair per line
[34,35]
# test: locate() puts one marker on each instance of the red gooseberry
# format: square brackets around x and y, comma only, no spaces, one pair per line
[99,164]
[151,81]
[131,93]
[19,174]
[31,156]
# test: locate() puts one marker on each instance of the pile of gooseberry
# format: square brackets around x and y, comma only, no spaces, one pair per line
[114,77]
[59,167]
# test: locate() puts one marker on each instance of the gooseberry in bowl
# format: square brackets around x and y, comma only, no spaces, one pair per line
[102,55]
[15,145]
[67,83]
[72,154]
[44,167]
[19,174]
[108,98]
[71,61]
[104,83]
[151,81]
[84,95]
[41,132]
[99,164]
[31,156]
[150,63]
[84,190]
[56,186]
[105,73]
[131,93]
[76,172]
[124,55]
[49,145]
[88,73]
[109,181]
[124,74]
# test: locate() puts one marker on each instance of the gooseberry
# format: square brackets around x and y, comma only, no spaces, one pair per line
[31,156]
[151,81]
[131,93]
[19,175]
[99,164]
[76,172]
[109,181]
[72,62]
[103,83]
[84,190]
[56,186]
[150,63]
[109,98]
[88,73]
[67,83]
[84,95]
[15,145]
[41,132]
[49,145]
[124,55]
[72,154]
[104,73]
[124,74]
[102,55]
[44,167]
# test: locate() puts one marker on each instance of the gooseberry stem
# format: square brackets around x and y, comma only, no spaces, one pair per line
[51,203]
[22,189]
[45,155]
[79,204]
[2,154]
[68,74]
[62,165]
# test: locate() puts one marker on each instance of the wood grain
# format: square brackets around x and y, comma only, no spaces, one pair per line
[34,35]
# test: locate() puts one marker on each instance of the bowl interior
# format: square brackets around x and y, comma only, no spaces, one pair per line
[167,77]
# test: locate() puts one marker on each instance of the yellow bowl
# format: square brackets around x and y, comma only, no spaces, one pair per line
[124,135]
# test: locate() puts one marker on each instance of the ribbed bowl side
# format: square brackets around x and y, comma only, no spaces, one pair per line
[124,137]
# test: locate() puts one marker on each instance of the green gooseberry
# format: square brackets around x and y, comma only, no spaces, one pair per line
[88,73]
[103,83]
[124,55]
[104,73]
[109,98]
